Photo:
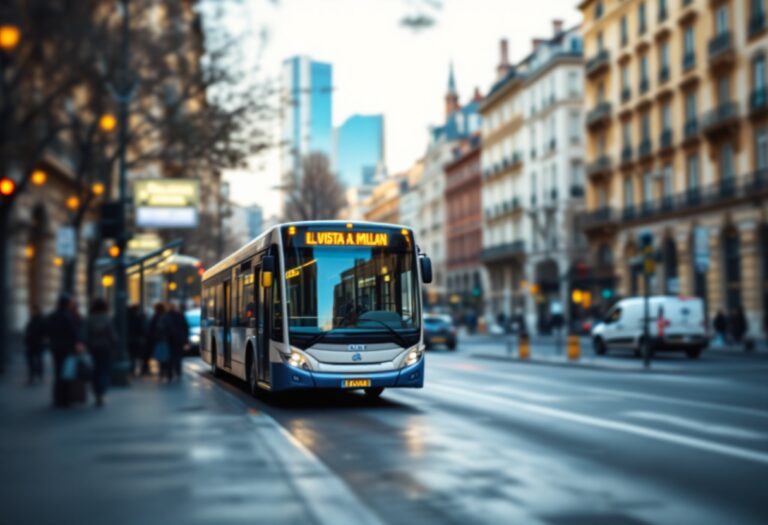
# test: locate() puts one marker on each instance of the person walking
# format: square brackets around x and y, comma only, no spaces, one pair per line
[178,338]
[136,337]
[720,324]
[101,341]
[158,340]
[64,338]
[738,325]
[34,343]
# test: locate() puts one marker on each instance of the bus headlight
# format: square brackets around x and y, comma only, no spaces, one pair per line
[296,360]
[413,357]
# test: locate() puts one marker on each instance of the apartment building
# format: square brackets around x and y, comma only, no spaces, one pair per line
[677,145]
[533,179]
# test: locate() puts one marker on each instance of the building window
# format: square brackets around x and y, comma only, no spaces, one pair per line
[761,149]
[598,10]
[577,174]
[672,284]
[689,48]
[574,126]
[692,169]
[726,163]
[666,116]
[645,126]
[647,187]
[626,134]
[723,90]
[721,20]
[573,84]
[667,186]
[624,31]
[624,81]
[690,106]
[629,193]
[600,41]
[644,84]
[662,10]
[641,26]
[758,74]
[664,61]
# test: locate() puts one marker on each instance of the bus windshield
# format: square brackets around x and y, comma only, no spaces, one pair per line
[351,290]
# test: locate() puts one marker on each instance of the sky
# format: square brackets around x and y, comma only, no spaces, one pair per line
[380,66]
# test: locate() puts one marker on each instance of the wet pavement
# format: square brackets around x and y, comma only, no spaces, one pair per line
[486,441]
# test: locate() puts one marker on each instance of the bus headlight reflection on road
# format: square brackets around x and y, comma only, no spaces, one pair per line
[413,357]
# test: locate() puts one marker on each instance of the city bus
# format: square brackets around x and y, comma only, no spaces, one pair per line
[320,304]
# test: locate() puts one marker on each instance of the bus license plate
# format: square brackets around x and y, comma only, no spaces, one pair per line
[356,383]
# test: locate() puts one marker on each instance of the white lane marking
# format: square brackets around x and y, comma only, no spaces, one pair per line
[699,426]
[525,394]
[615,393]
[628,428]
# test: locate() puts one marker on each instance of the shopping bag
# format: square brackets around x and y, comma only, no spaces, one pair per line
[69,368]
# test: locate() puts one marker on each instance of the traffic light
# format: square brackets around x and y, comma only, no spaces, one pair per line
[110,220]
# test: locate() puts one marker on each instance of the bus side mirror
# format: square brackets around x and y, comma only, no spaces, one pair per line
[426,269]
[267,268]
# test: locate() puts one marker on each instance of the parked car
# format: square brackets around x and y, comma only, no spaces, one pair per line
[439,330]
[193,320]
[674,324]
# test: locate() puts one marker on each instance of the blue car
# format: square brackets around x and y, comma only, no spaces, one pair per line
[439,330]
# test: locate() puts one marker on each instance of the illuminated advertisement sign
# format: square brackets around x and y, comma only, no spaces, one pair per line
[321,238]
[166,203]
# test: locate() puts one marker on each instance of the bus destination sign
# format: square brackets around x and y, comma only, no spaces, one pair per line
[330,238]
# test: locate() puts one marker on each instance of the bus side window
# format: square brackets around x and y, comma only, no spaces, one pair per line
[276,309]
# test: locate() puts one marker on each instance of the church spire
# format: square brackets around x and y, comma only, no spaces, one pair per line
[452,96]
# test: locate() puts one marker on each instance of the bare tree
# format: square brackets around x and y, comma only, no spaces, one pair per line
[317,194]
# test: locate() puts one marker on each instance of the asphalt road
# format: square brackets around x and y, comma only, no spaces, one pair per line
[491,441]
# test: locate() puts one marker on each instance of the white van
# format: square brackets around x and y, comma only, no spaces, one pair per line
[675,323]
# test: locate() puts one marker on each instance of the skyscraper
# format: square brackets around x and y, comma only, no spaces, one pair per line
[307,95]
[359,149]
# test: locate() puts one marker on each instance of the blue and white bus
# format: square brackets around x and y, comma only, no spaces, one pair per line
[321,304]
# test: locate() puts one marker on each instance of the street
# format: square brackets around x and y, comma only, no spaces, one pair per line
[486,441]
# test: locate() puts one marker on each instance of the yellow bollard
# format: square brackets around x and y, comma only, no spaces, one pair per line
[524,350]
[574,347]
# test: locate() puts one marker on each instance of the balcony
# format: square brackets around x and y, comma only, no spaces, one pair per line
[663,74]
[756,24]
[644,86]
[600,219]
[510,250]
[626,155]
[758,102]
[599,116]
[722,119]
[626,94]
[598,63]
[577,190]
[753,186]
[666,140]
[645,149]
[689,61]
[599,168]
[721,49]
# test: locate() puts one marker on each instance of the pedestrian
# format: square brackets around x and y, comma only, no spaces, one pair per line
[178,338]
[158,340]
[720,324]
[136,337]
[34,343]
[62,332]
[738,325]
[101,341]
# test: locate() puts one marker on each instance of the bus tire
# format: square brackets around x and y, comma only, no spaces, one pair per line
[252,371]
[374,392]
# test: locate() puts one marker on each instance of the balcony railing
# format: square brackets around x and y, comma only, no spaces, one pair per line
[758,101]
[666,139]
[756,23]
[691,129]
[689,61]
[720,45]
[753,185]
[599,167]
[644,149]
[599,115]
[720,117]
[663,74]
[598,62]
[503,251]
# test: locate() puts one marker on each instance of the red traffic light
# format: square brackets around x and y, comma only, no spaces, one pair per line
[7,187]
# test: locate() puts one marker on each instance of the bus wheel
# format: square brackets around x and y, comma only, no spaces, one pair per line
[374,392]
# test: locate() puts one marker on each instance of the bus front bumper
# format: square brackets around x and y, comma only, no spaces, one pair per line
[285,377]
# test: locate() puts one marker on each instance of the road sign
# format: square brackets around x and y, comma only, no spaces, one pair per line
[701,248]
[66,245]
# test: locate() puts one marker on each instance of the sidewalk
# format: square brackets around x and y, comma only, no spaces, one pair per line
[186,452]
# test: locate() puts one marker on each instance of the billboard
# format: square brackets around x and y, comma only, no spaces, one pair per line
[166,203]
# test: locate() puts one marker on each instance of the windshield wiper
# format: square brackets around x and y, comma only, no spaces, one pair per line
[400,339]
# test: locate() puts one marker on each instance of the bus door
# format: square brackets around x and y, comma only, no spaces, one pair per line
[262,326]
[227,324]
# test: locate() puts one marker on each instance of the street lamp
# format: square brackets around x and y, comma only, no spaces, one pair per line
[107,123]
[73,203]
[39,177]
[7,187]
[10,35]
[98,188]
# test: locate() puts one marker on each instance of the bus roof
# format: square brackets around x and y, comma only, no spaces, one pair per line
[253,246]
